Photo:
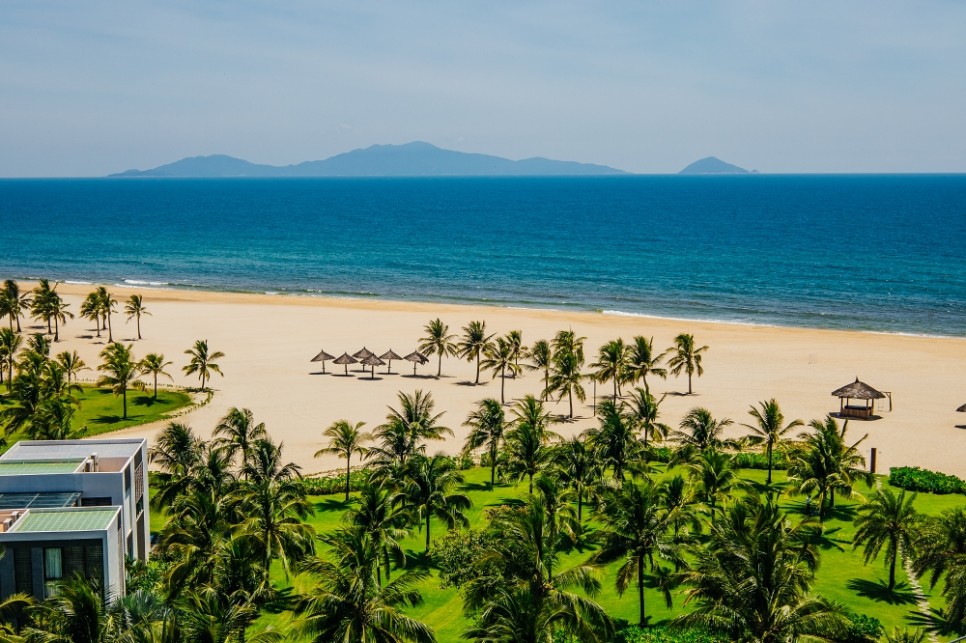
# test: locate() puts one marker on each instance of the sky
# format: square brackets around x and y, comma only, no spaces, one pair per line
[93,87]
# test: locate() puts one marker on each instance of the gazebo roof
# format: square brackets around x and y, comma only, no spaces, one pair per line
[858,391]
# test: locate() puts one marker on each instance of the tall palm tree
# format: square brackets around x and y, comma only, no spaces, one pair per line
[500,359]
[17,303]
[348,604]
[120,372]
[527,602]
[177,451]
[10,343]
[134,309]
[566,377]
[528,438]
[473,343]
[406,429]
[202,362]
[154,364]
[637,530]
[381,514]
[237,434]
[426,491]
[686,357]
[438,341]
[60,314]
[714,475]
[643,361]
[611,364]
[91,309]
[541,355]
[700,431]
[106,305]
[517,349]
[210,616]
[890,521]
[72,364]
[75,613]
[752,580]
[768,428]
[940,551]
[44,300]
[577,466]
[827,464]
[645,410]
[615,440]
[487,425]
[345,439]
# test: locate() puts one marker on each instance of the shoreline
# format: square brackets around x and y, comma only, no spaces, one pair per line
[268,341]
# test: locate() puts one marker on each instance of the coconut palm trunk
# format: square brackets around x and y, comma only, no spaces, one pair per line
[429,517]
[110,334]
[348,472]
[640,590]
[56,330]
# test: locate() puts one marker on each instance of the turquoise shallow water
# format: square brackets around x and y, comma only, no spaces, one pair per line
[880,253]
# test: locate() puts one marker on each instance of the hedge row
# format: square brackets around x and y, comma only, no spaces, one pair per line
[916,479]
[335,483]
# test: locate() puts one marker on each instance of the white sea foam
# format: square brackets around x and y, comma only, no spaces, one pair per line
[138,282]
[78,283]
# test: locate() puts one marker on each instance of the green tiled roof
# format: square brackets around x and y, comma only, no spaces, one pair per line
[18,467]
[65,520]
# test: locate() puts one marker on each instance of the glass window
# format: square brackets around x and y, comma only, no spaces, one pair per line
[53,564]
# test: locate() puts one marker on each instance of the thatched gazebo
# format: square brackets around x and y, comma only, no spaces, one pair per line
[857,391]
[389,355]
[373,361]
[344,360]
[416,358]
[322,357]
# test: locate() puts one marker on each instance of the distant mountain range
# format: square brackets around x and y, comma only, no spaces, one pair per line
[411,159]
[713,165]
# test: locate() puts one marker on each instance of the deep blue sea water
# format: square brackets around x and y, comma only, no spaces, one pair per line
[880,253]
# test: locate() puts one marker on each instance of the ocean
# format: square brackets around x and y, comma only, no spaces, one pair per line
[864,252]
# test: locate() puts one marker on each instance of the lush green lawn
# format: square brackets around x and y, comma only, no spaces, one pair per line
[100,411]
[842,577]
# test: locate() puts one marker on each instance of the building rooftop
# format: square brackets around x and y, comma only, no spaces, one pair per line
[38,500]
[73,449]
[46,520]
[16,467]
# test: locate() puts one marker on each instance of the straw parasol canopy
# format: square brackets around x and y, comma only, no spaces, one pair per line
[322,357]
[962,409]
[373,361]
[363,353]
[857,390]
[389,355]
[345,359]
[416,358]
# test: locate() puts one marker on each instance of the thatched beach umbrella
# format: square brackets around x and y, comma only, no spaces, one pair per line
[389,355]
[322,357]
[857,391]
[373,361]
[362,354]
[345,359]
[416,358]
[962,409]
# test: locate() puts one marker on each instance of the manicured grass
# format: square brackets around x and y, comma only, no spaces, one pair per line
[842,576]
[100,411]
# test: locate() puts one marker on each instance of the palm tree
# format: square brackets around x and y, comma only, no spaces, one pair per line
[202,362]
[105,305]
[566,377]
[210,616]
[438,341]
[517,349]
[237,434]
[41,308]
[177,451]
[542,356]
[686,357]
[91,309]
[72,364]
[153,364]
[615,440]
[60,314]
[75,613]
[645,410]
[577,466]
[642,361]
[381,515]
[500,359]
[487,425]
[637,530]
[134,308]
[349,604]
[9,345]
[473,343]
[700,431]
[611,364]
[14,304]
[407,429]
[714,474]
[527,439]
[120,372]
[940,551]
[526,602]
[752,581]
[345,439]
[889,521]
[426,492]
[827,464]
[768,428]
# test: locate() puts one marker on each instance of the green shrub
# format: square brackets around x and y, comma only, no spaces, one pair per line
[659,454]
[862,629]
[916,479]
[660,634]
[335,483]
[743,460]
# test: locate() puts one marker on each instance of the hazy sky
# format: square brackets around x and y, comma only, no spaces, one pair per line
[89,87]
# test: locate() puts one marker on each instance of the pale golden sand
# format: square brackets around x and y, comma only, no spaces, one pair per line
[268,341]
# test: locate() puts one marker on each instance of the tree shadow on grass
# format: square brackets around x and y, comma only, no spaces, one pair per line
[826,538]
[879,591]
[334,504]
[145,400]
[113,419]
[937,620]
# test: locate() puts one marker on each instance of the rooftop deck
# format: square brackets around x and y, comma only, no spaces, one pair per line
[56,520]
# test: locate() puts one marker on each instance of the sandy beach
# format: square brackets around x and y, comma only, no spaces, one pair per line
[268,342]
